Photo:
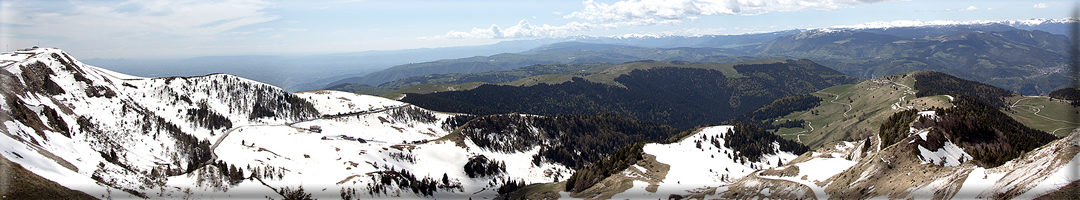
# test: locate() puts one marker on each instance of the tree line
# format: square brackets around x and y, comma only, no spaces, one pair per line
[571,140]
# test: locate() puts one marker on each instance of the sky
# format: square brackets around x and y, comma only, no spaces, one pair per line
[192,28]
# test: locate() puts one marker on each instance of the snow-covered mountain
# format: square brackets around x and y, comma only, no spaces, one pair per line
[1054,26]
[112,135]
[97,131]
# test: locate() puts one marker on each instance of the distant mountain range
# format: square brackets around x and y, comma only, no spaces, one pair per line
[996,52]
[301,73]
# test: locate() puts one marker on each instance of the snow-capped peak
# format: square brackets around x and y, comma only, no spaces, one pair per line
[918,23]
[911,23]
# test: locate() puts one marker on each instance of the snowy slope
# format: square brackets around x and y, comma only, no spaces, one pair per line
[809,172]
[326,164]
[690,167]
[694,169]
[220,136]
[1036,173]
[330,102]
[900,171]
[124,131]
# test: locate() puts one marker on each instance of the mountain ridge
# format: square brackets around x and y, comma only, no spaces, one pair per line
[866,51]
[680,95]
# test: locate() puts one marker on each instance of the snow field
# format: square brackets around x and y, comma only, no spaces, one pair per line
[30,158]
[819,169]
[949,155]
[1038,173]
[329,164]
[373,127]
[326,162]
[330,102]
[693,168]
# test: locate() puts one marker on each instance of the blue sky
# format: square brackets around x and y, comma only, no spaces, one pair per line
[191,28]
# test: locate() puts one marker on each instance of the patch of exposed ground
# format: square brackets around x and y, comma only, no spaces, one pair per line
[537,191]
[895,172]
[753,187]
[654,173]
[18,183]
[1071,191]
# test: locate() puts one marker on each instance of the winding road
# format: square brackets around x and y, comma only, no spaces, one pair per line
[1036,110]
[837,97]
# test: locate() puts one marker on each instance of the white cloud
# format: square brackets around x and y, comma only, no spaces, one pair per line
[1041,5]
[677,9]
[525,30]
[970,8]
[650,12]
[138,21]
[683,32]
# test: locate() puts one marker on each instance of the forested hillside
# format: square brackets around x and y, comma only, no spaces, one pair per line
[930,83]
[776,109]
[1070,93]
[571,140]
[988,135]
[680,97]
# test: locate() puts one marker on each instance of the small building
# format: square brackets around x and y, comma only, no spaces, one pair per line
[314,128]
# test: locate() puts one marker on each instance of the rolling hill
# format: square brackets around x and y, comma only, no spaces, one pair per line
[683,96]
